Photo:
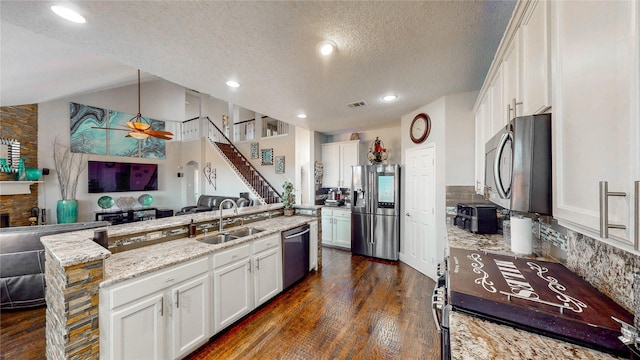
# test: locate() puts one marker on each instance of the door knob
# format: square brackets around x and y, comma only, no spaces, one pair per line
[407,214]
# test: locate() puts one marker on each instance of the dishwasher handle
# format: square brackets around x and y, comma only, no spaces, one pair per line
[296,234]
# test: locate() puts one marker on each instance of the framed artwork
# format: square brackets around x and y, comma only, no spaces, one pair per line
[254,150]
[267,156]
[279,164]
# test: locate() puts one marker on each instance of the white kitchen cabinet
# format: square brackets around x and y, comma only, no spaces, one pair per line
[337,159]
[233,287]
[313,245]
[245,276]
[138,330]
[595,113]
[535,63]
[191,315]
[267,261]
[497,113]
[480,121]
[161,315]
[336,227]
[511,75]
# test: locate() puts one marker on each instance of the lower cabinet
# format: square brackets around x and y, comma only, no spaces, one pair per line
[163,315]
[336,227]
[244,277]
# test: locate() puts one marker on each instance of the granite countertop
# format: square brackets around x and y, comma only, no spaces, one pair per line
[134,263]
[474,338]
[78,247]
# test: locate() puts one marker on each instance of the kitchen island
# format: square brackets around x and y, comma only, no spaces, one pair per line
[78,269]
[474,338]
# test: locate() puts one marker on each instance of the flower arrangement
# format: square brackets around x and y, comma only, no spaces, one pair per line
[288,196]
[377,152]
[68,168]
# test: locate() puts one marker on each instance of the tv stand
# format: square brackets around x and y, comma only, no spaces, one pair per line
[126,216]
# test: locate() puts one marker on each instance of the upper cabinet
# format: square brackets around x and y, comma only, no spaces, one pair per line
[580,61]
[595,116]
[337,159]
[535,74]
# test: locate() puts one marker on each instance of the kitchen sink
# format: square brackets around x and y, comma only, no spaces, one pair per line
[245,232]
[229,236]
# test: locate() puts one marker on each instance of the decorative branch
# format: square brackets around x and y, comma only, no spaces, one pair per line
[68,168]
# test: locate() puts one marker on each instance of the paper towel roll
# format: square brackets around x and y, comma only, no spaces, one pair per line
[521,236]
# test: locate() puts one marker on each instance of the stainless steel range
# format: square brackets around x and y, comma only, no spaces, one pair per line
[538,296]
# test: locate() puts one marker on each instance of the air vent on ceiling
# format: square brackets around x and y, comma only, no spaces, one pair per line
[357,104]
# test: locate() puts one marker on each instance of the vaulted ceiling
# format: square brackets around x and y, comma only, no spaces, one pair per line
[418,50]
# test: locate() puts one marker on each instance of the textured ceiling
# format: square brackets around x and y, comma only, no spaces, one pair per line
[417,50]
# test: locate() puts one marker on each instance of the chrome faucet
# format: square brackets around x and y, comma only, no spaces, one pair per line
[235,209]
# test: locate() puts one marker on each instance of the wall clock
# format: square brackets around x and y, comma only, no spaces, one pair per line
[420,128]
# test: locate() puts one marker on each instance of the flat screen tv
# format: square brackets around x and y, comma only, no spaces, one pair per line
[109,176]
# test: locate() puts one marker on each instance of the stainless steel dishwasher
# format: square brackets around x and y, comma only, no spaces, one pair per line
[295,255]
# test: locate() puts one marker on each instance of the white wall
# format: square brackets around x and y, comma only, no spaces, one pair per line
[304,167]
[160,100]
[452,134]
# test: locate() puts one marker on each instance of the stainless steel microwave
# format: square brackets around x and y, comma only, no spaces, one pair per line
[517,172]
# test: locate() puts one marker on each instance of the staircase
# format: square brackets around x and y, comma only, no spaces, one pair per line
[259,186]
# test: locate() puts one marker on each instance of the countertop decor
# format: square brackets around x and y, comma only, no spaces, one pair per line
[474,338]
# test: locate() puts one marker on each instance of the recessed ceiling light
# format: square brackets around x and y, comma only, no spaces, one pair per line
[302,116]
[68,14]
[389,97]
[326,47]
[233,84]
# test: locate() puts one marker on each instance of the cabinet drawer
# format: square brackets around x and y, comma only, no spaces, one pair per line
[268,242]
[342,213]
[137,288]
[232,255]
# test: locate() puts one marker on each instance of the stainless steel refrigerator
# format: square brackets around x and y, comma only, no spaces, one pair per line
[375,211]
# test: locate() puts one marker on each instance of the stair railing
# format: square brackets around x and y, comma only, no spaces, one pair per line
[215,135]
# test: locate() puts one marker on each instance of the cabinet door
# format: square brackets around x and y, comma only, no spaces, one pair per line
[313,245]
[349,157]
[267,275]
[342,229]
[138,330]
[191,316]
[331,165]
[511,80]
[480,151]
[327,227]
[498,114]
[535,58]
[595,116]
[232,295]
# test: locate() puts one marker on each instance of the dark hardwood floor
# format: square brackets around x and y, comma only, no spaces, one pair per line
[355,308]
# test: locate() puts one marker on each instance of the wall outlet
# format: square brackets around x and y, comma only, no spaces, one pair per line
[154,235]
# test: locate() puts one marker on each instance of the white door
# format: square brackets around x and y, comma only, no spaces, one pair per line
[191,318]
[267,275]
[138,330]
[232,296]
[418,245]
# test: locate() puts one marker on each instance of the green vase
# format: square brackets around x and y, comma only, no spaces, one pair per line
[67,211]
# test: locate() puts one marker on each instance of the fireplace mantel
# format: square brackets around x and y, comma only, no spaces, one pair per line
[17,187]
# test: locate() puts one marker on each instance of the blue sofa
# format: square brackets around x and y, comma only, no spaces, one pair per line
[22,283]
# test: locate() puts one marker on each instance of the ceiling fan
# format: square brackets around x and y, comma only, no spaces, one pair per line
[138,127]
